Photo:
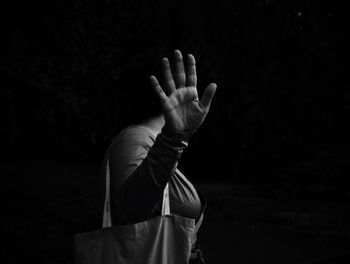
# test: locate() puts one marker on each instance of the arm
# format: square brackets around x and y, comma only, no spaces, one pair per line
[148,169]
[145,169]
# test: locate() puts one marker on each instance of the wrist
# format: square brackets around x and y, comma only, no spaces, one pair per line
[171,143]
[177,136]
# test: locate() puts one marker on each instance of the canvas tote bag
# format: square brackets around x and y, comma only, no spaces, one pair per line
[165,239]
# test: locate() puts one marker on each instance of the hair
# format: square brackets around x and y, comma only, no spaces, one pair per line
[142,101]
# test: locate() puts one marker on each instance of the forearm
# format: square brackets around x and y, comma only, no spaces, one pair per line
[143,188]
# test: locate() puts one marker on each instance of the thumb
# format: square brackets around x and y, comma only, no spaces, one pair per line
[208,96]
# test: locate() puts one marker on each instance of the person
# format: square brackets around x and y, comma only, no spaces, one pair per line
[143,158]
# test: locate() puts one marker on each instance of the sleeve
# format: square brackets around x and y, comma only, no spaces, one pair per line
[143,170]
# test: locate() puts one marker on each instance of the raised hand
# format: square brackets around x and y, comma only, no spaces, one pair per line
[182,109]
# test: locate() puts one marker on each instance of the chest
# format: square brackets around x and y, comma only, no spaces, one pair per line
[184,198]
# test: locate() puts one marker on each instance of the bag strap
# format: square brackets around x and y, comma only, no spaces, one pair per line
[107,216]
[166,201]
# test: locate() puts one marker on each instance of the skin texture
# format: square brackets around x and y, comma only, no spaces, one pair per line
[182,109]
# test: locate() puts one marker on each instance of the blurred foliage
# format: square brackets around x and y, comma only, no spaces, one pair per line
[73,72]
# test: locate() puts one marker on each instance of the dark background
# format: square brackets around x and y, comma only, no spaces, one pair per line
[74,73]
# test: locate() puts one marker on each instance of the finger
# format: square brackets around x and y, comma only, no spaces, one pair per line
[180,75]
[208,96]
[168,77]
[155,84]
[191,71]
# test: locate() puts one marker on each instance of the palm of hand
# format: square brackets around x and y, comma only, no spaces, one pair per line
[182,109]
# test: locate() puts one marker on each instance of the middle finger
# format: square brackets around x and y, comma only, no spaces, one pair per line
[180,75]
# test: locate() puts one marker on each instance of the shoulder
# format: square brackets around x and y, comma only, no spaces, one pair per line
[131,143]
[134,135]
